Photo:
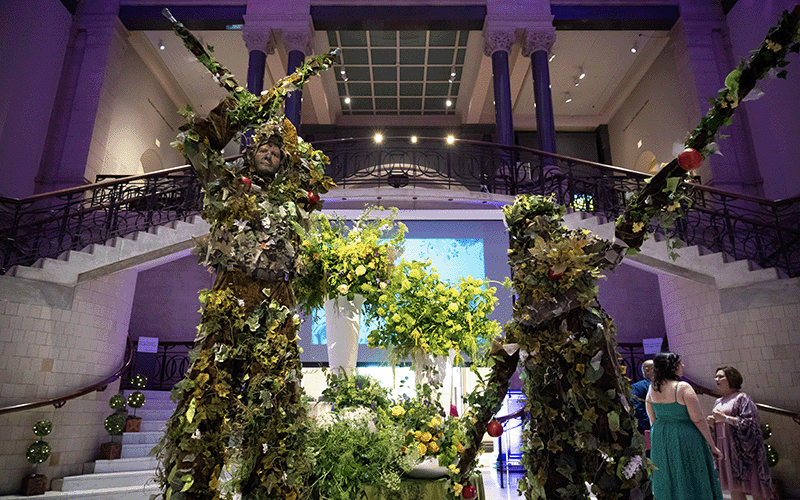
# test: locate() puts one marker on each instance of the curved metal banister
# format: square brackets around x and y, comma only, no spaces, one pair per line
[739,226]
[58,402]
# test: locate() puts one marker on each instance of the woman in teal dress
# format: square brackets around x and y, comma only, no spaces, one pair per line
[680,440]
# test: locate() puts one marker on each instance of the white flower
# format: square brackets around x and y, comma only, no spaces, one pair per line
[343,288]
[196,434]
[264,447]
[240,302]
[632,467]
[241,224]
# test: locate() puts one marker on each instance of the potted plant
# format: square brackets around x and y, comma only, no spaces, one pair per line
[135,400]
[38,452]
[114,424]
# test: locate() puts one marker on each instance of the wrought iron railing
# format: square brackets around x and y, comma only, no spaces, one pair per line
[762,231]
[171,363]
[49,224]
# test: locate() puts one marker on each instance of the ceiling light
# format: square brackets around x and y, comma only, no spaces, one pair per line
[451,139]
[552,56]
[583,73]
[347,100]
[568,98]
[344,75]
[576,80]
[453,73]
[635,44]
[414,139]
[161,45]
[448,103]
[378,138]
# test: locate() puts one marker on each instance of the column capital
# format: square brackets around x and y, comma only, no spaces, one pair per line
[257,36]
[297,39]
[538,38]
[498,39]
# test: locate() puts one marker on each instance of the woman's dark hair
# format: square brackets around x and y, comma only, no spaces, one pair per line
[732,374]
[664,366]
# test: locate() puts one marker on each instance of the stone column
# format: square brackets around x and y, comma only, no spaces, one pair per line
[704,59]
[91,65]
[538,42]
[497,44]
[258,39]
[298,45]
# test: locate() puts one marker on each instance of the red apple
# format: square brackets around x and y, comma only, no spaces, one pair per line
[690,159]
[494,429]
[313,198]
[469,491]
[247,183]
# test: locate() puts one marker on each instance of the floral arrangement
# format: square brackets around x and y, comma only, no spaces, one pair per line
[347,391]
[666,196]
[376,443]
[342,261]
[421,313]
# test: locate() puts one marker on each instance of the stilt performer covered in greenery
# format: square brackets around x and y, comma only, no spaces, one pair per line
[581,429]
[241,415]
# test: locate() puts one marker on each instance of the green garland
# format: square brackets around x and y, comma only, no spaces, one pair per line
[667,194]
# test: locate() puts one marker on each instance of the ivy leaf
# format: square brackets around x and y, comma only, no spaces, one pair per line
[781,74]
[188,481]
[613,421]
[191,411]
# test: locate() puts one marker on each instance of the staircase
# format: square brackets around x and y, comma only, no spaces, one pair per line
[693,263]
[143,250]
[130,477]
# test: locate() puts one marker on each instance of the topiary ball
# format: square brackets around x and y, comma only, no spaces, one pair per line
[136,400]
[117,402]
[42,427]
[38,452]
[114,424]
[766,431]
[139,381]
[772,456]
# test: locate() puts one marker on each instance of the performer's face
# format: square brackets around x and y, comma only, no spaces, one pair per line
[267,159]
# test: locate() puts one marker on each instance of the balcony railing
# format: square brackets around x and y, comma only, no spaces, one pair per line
[765,232]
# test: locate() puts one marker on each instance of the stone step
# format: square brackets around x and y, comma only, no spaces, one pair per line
[123,465]
[136,450]
[103,480]
[143,437]
[122,493]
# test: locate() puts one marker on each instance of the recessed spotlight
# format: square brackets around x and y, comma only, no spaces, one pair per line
[347,100]
[414,139]
[552,56]
[568,98]
[583,73]
[576,81]
[448,103]
[378,138]
[161,45]
[451,139]
[639,144]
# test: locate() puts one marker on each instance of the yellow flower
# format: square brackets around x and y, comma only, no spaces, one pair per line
[425,437]
[435,421]
[454,469]
[361,270]
[398,411]
[422,449]
[433,447]
[457,489]
[638,226]
[343,288]
[452,307]
[459,448]
[417,434]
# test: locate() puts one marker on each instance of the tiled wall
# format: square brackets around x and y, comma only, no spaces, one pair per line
[754,328]
[55,340]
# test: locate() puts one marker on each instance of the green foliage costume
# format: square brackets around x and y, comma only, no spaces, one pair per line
[241,413]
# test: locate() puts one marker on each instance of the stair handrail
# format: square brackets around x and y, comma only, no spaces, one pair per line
[741,226]
[60,401]
[699,389]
